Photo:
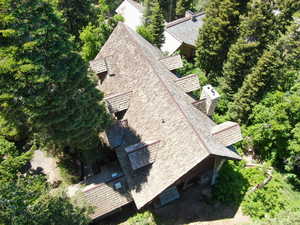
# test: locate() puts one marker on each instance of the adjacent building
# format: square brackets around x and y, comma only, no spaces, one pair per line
[180,35]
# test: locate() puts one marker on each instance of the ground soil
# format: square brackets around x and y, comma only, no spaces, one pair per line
[45,164]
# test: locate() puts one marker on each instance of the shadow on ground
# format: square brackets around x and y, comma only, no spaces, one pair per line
[193,206]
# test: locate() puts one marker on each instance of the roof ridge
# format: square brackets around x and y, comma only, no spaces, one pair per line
[168,91]
[183,19]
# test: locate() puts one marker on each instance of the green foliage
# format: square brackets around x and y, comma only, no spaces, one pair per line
[94,36]
[68,167]
[145,218]
[235,184]
[265,202]
[26,202]
[24,195]
[274,129]
[286,217]
[77,14]
[240,179]
[153,28]
[293,162]
[217,34]
[259,29]
[182,6]
[11,160]
[145,33]
[273,71]
[156,24]
[45,81]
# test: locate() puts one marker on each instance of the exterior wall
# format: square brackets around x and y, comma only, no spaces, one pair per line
[171,44]
[132,16]
[204,170]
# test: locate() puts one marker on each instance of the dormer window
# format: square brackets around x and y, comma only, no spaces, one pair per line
[142,154]
[188,83]
[118,103]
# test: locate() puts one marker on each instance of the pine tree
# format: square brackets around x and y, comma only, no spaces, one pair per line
[271,73]
[261,27]
[77,14]
[219,31]
[94,36]
[156,26]
[43,78]
[147,12]
[182,6]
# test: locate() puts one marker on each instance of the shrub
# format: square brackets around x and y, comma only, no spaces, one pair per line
[234,181]
[265,202]
[145,218]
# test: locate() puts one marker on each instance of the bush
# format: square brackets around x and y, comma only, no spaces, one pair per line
[145,33]
[284,218]
[265,202]
[234,181]
[145,218]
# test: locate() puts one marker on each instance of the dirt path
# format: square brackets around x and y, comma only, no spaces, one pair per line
[47,165]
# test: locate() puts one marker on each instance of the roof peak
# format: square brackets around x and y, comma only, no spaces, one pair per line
[184,19]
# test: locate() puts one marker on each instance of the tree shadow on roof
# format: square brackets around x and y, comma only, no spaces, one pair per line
[135,156]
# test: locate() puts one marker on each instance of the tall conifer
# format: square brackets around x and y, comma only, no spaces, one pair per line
[259,28]
[77,14]
[271,72]
[219,31]
[42,77]
[156,26]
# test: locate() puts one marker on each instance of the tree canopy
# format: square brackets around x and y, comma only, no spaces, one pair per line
[219,31]
[44,80]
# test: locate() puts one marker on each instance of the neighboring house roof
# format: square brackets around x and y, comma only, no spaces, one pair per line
[136,5]
[132,13]
[105,192]
[186,29]
[182,31]
[160,112]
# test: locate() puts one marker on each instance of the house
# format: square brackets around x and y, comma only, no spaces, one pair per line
[132,13]
[163,138]
[180,35]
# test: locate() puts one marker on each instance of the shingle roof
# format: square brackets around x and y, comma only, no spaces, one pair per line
[227,133]
[159,110]
[98,65]
[186,29]
[103,191]
[188,83]
[172,62]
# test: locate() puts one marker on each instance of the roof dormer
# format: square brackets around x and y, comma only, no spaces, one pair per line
[142,154]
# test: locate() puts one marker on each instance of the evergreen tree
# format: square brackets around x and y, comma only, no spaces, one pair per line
[156,26]
[219,31]
[182,6]
[94,36]
[77,14]
[24,195]
[272,72]
[147,12]
[261,27]
[45,80]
